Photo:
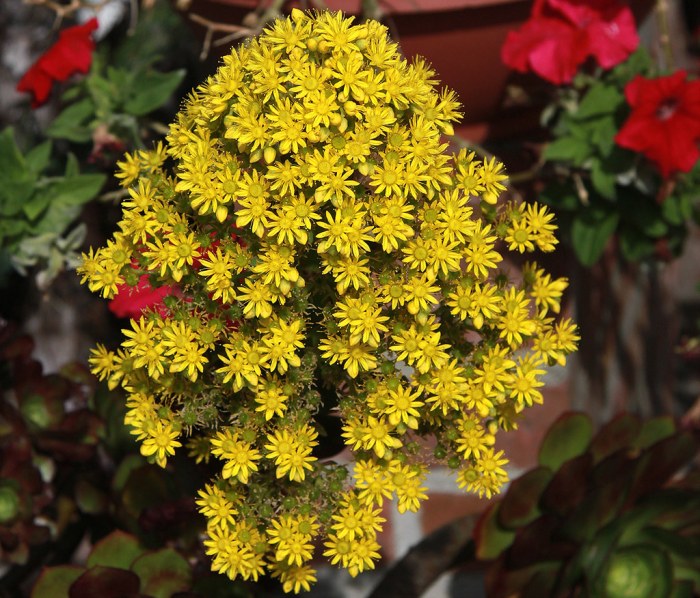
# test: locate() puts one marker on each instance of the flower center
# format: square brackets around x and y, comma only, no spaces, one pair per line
[667,108]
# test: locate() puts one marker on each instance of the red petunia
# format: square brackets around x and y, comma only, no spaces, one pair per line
[131,302]
[665,122]
[561,34]
[71,54]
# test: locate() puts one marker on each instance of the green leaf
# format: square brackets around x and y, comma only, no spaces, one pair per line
[14,193]
[602,134]
[520,504]
[38,157]
[18,181]
[153,91]
[55,219]
[163,573]
[72,123]
[640,62]
[618,434]
[118,550]
[491,539]
[678,208]
[635,245]
[106,95]
[54,582]
[567,149]
[601,99]
[659,506]
[568,487]
[660,461]
[654,430]
[153,38]
[685,547]
[12,163]
[590,231]
[603,180]
[561,196]
[12,227]
[592,556]
[89,498]
[76,190]
[72,166]
[567,438]
[37,203]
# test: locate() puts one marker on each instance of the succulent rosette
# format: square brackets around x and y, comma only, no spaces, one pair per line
[338,283]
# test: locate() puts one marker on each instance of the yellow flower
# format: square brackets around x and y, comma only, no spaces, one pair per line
[407,485]
[215,506]
[161,441]
[373,482]
[402,407]
[239,455]
[331,264]
[377,436]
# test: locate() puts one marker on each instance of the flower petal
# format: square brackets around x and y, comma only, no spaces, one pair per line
[71,54]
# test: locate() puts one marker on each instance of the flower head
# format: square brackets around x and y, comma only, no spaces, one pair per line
[71,54]
[338,282]
[665,121]
[561,34]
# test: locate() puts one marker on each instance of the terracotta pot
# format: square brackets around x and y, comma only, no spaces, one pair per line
[461,39]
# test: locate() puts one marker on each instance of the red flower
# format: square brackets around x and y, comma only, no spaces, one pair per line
[665,122]
[561,34]
[71,54]
[130,302]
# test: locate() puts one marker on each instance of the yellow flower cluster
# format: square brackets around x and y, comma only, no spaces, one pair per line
[330,263]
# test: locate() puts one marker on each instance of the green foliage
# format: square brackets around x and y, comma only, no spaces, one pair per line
[603,190]
[37,209]
[119,565]
[598,516]
[567,438]
[114,98]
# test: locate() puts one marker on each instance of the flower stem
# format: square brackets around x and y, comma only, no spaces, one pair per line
[664,33]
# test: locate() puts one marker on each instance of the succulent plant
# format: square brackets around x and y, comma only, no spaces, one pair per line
[601,515]
[46,430]
[118,566]
[69,468]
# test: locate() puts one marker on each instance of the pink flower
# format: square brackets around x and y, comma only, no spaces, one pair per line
[561,34]
[664,124]
[71,54]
